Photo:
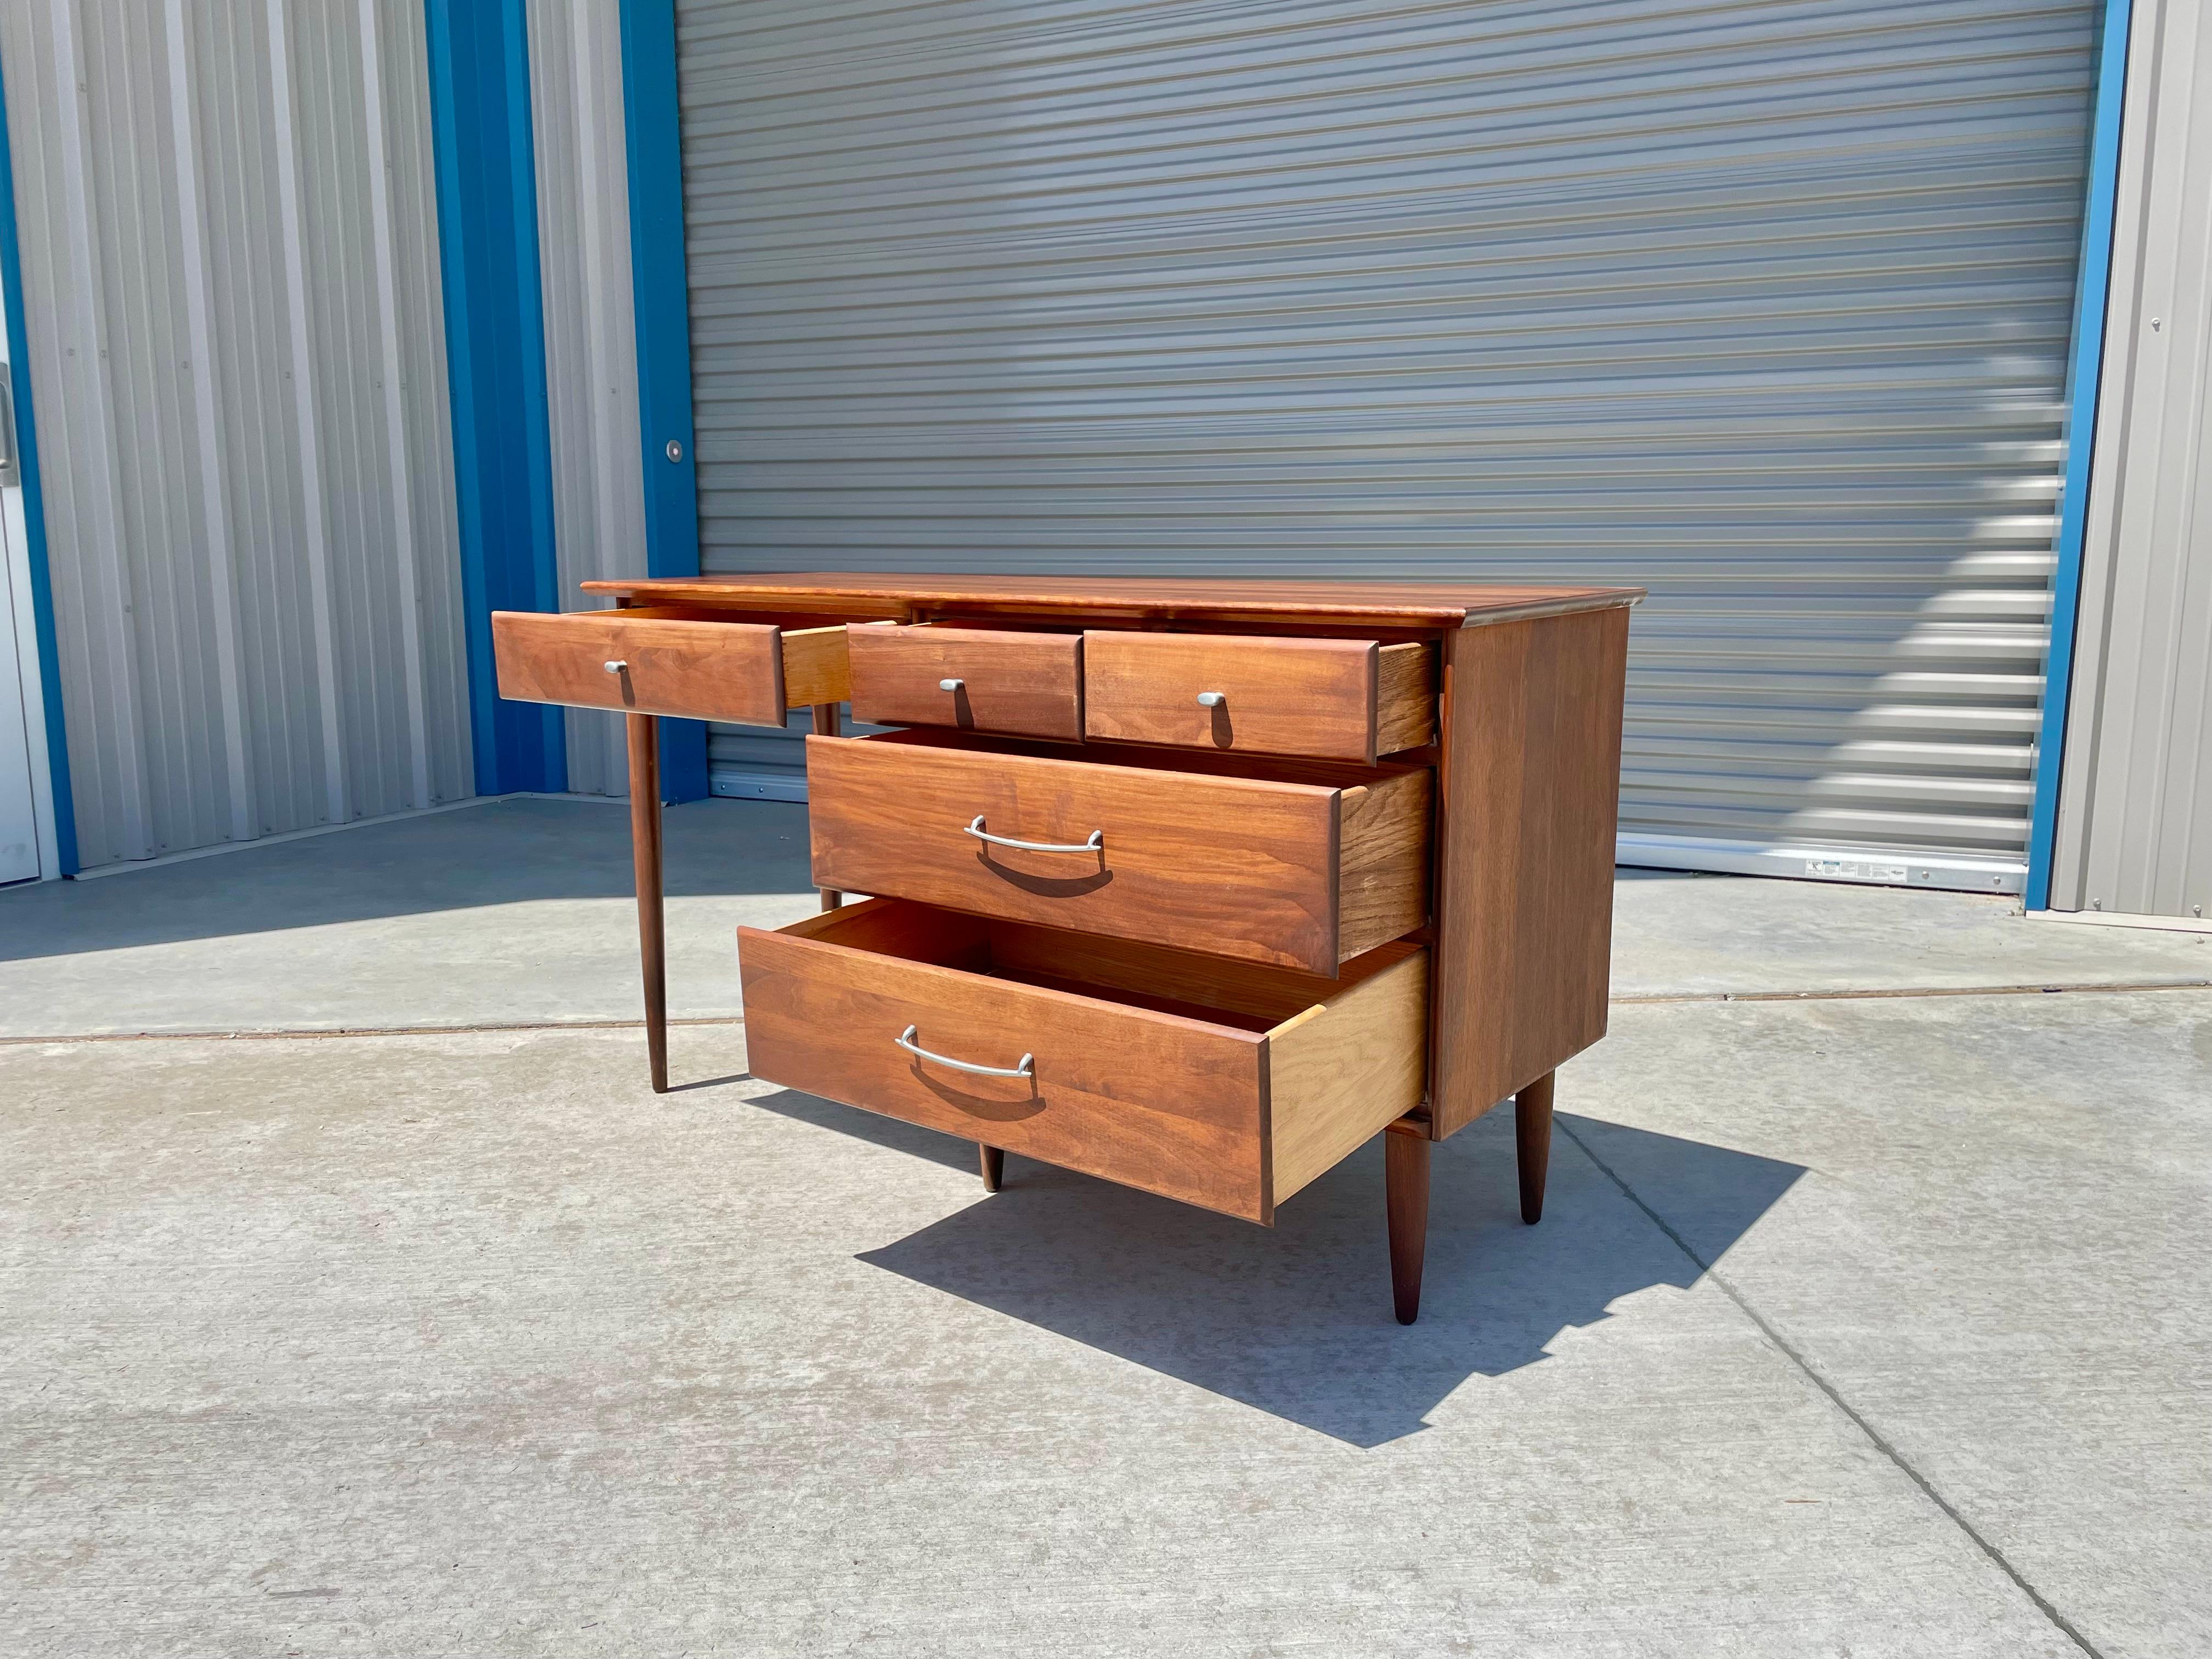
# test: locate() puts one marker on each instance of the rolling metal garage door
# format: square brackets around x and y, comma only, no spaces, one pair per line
[1762,305]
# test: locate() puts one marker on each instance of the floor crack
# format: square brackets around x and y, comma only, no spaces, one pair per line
[1837,1400]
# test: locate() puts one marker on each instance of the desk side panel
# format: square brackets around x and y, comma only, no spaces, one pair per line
[1529,814]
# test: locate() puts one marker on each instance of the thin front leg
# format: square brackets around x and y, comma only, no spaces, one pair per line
[1406,1199]
[994,1166]
[644,858]
[826,724]
[1532,1137]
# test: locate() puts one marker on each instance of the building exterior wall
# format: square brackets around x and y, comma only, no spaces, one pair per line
[231,282]
[2135,824]
[591,348]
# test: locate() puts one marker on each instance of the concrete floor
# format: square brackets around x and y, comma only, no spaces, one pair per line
[1855,1326]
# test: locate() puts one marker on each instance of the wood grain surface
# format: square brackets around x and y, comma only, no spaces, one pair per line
[1338,1074]
[1405,697]
[1025,683]
[1279,696]
[1417,606]
[1245,868]
[1171,1105]
[702,670]
[815,667]
[1207,1110]
[1385,830]
[1531,759]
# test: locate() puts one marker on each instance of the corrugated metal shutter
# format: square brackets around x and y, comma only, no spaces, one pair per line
[1761,305]
[237,351]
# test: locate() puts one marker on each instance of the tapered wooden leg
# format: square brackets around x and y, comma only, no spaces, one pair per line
[645,860]
[1406,1197]
[827,722]
[1532,1136]
[994,1166]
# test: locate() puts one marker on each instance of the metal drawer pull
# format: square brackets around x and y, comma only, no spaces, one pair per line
[1026,1068]
[950,685]
[614,667]
[1096,844]
[1211,699]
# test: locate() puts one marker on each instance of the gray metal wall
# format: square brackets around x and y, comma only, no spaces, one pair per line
[591,353]
[2135,827]
[230,274]
[1764,306]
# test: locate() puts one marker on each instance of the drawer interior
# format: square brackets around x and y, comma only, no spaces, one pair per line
[1280,769]
[1243,996]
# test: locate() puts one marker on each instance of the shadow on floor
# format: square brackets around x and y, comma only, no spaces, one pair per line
[503,852]
[1296,1320]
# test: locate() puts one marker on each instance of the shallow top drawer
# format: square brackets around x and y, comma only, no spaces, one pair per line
[978,679]
[649,661]
[1331,699]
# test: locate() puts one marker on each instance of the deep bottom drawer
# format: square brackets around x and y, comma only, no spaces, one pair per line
[1222,1085]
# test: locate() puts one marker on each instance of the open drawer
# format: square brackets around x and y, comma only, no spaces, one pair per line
[1222,1085]
[1295,864]
[1023,683]
[1353,700]
[659,661]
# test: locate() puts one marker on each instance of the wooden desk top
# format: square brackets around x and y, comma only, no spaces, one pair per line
[1413,605]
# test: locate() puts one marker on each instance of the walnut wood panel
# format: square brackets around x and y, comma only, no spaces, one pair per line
[1417,606]
[1171,1105]
[1245,868]
[1181,1103]
[1279,695]
[1029,684]
[717,669]
[1383,836]
[1338,1075]
[1405,697]
[1531,759]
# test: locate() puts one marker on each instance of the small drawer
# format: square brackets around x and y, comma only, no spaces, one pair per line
[655,661]
[1350,699]
[978,679]
[1223,1085]
[1294,864]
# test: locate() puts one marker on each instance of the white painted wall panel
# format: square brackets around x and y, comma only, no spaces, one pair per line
[2135,827]
[591,353]
[229,241]
[1762,304]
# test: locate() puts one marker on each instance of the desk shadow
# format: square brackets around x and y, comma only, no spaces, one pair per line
[1295,1320]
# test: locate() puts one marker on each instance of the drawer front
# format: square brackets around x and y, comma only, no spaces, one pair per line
[1231,867]
[1019,683]
[720,671]
[1169,1104]
[1329,699]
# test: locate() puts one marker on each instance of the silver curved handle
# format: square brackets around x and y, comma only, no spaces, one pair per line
[1211,699]
[1096,844]
[1025,1068]
[614,667]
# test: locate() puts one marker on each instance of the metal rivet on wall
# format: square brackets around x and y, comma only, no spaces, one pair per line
[675,450]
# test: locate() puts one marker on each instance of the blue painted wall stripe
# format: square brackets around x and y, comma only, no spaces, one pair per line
[496,366]
[661,291]
[2084,375]
[34,514]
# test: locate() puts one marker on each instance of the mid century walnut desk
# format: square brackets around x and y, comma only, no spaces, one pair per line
[1194,885]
